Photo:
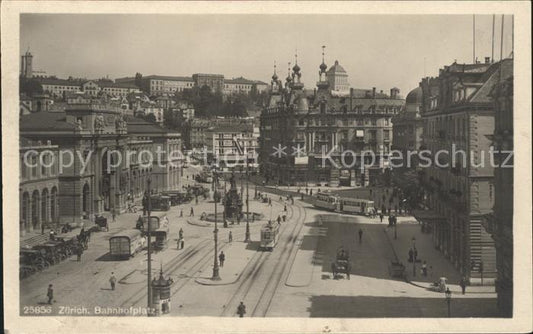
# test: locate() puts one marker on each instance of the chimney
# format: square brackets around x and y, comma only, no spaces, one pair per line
[487,60]
[373,92]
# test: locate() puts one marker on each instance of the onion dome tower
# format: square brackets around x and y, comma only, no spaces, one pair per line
[296,75]
[275,83]
[323,83]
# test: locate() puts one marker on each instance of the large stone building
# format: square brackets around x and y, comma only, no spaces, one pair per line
[39,184]
[320,123]
[159,85]
[106,157]
[458,115]
[407,127]
[224,149]
[338,78]
[213,81]
[500,222]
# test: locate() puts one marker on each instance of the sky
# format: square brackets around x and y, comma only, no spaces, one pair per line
[381,51]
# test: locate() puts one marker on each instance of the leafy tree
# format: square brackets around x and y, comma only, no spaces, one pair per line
[149,118]
[138,80]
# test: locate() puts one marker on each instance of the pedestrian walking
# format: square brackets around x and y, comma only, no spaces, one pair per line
[425,269]
[192,212]
[112,281]
[307,191]
[221,258]
[180,233]
[381,218]
[230,237]
[114,215]
[181,212]
[279,219]
[42,228]
[360,235]
[50,294]
[79,252]
[182,243]
[285,208]
[311,192]
[241,310]
[333,270]
[462,283]
[410,255]
[415,254]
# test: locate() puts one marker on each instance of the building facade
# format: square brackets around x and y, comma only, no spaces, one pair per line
[338,78]
[107,162]
[500,222]
[324,134]
[213,81]
[407,127]
[458,115]
[39,185]
[224,149]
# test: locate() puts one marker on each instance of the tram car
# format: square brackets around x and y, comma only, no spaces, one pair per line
[269,236]
[126,244]
[343,204]
[356,206]
[325,201]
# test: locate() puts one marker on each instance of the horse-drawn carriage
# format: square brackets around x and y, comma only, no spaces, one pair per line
[101,222]
[341,264]
[31,261]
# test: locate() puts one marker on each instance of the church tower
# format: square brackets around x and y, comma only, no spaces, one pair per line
[323,83]
[26,70]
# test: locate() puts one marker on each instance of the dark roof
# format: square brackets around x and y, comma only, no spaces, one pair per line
[166,77]
[235,128]
[62,82]
[336,68]
[115,84]
[493,75]
[45,121]
[414,96]
[239,80]
[139,125]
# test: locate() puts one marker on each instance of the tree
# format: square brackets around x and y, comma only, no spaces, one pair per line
[149,118]
[138,79]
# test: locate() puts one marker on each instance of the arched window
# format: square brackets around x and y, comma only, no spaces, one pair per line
[53,204]
[44,206]
[35,209]
[25,207]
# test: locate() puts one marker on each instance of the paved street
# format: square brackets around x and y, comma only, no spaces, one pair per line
[294,279]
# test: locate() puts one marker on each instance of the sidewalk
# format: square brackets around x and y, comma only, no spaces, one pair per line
[238,255]
[437,264]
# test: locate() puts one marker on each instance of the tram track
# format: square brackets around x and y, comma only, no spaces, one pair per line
[252,279]
[268,293]
[176,263]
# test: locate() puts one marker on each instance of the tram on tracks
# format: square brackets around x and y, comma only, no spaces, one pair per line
[343,204]
[269,236]
[126,244]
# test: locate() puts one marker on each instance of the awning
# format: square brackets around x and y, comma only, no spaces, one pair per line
[428,216]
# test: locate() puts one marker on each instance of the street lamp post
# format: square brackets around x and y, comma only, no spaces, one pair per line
[216,276]
[148,231]
[247,234]
[448,295]
[414,258]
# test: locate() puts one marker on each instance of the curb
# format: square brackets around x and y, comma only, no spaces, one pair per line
[200,281]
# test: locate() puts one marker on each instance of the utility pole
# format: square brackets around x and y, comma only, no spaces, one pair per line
[247,234]
[149,304]
[216,276]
